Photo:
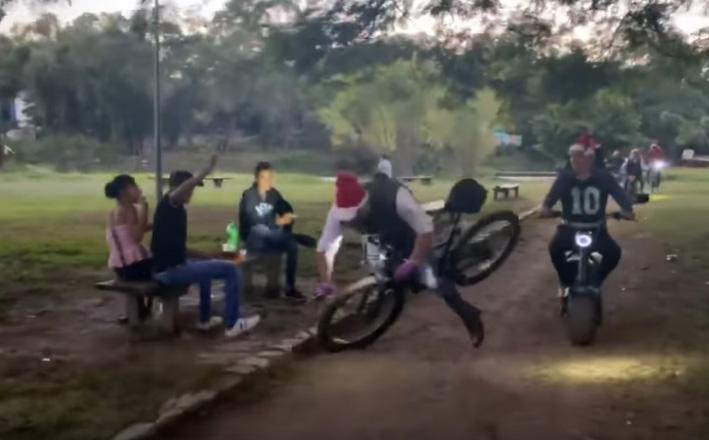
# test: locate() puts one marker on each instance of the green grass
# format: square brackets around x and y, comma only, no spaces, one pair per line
[678,216]
[69,401]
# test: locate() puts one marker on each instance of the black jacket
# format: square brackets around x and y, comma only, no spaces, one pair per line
[253,210]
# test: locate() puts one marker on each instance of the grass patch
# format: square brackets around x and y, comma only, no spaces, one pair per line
[65,401]
[677,216]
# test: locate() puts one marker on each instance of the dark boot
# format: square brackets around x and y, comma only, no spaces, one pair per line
[470,315]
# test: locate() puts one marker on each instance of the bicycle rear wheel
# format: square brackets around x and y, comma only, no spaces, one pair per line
[484,248]
[360,316]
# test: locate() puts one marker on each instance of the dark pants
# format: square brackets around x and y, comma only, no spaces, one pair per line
[563,242]
[140,271]
[203,272]
[263,240]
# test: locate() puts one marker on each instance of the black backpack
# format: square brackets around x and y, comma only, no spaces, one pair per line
[466,197]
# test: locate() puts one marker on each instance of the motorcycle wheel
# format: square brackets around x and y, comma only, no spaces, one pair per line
[484,248]
[582,320]
[360,316]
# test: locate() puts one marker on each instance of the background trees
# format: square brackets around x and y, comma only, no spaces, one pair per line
[269,74]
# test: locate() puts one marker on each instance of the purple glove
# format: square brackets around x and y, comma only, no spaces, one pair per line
[324,290]
[405,271]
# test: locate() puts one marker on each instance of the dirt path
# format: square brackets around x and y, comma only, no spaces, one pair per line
[422,381]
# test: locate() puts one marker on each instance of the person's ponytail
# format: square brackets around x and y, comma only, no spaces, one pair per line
[110,190]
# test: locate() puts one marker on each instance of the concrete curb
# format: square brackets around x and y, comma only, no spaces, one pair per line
[527,214]
[235,375]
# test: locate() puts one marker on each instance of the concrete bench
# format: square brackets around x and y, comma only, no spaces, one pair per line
[270,265]
[507,190]
[135,291]
[217,181]
[425,180]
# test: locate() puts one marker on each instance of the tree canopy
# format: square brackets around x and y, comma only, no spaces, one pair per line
[276,76]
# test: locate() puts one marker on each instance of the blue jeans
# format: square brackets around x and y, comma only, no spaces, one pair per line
[203,272]
[263,240]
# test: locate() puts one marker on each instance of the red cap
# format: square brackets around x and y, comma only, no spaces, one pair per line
[349,192]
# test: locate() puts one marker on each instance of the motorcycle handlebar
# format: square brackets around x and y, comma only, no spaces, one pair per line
[616,215]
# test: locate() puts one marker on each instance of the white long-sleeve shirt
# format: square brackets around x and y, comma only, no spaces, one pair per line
[406,206]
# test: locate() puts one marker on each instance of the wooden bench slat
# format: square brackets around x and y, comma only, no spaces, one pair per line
[147,288]
[130,287]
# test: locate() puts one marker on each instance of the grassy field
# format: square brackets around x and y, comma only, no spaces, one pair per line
[52,246]
[51,225]
[678,216]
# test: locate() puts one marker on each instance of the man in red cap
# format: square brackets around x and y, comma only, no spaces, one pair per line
[388,209]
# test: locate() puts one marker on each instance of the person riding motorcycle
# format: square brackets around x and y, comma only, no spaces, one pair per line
[656,162]
[655,153]
[633,169]
[388,209]
[614,164]
[583,193]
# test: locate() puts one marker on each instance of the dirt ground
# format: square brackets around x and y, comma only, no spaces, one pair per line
[642,380]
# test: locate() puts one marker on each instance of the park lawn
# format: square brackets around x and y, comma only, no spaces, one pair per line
[678,216]
[52,225]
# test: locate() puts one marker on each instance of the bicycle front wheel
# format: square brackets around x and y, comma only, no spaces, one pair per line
[360,316]
[484,248]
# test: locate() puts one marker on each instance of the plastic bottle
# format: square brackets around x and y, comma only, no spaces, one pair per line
[232,238]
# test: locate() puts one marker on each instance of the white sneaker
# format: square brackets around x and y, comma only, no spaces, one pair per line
[210,325]
[563,292]
[243,325]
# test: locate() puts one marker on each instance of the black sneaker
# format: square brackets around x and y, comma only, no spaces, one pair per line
[476,329]
[305,240]
[295,295]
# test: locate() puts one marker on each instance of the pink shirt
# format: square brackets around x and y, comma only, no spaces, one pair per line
[124,250]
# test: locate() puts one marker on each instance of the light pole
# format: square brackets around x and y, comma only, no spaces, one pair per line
[156,106]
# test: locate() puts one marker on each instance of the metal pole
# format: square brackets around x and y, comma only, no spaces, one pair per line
[156,107]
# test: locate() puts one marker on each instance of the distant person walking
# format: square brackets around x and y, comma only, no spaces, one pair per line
[5,154]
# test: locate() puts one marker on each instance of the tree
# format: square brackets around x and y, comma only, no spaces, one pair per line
[608,113]
[634,22]
[385,108]
[399,108]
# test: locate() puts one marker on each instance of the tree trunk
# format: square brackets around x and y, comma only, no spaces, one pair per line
[404,156]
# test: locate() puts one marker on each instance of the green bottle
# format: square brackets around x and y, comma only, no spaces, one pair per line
[232,238]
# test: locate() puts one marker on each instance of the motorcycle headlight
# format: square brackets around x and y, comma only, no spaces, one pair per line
[583,240]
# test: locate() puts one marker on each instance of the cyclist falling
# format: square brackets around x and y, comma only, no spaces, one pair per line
[386,208]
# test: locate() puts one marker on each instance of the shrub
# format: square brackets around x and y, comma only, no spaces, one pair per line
[66,152]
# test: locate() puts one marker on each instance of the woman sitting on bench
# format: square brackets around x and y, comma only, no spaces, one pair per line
[126,226]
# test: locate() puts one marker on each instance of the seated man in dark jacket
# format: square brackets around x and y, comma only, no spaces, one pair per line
[265,224]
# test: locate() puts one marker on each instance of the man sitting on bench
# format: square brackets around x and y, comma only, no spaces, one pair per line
[266,223]
[170,256]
